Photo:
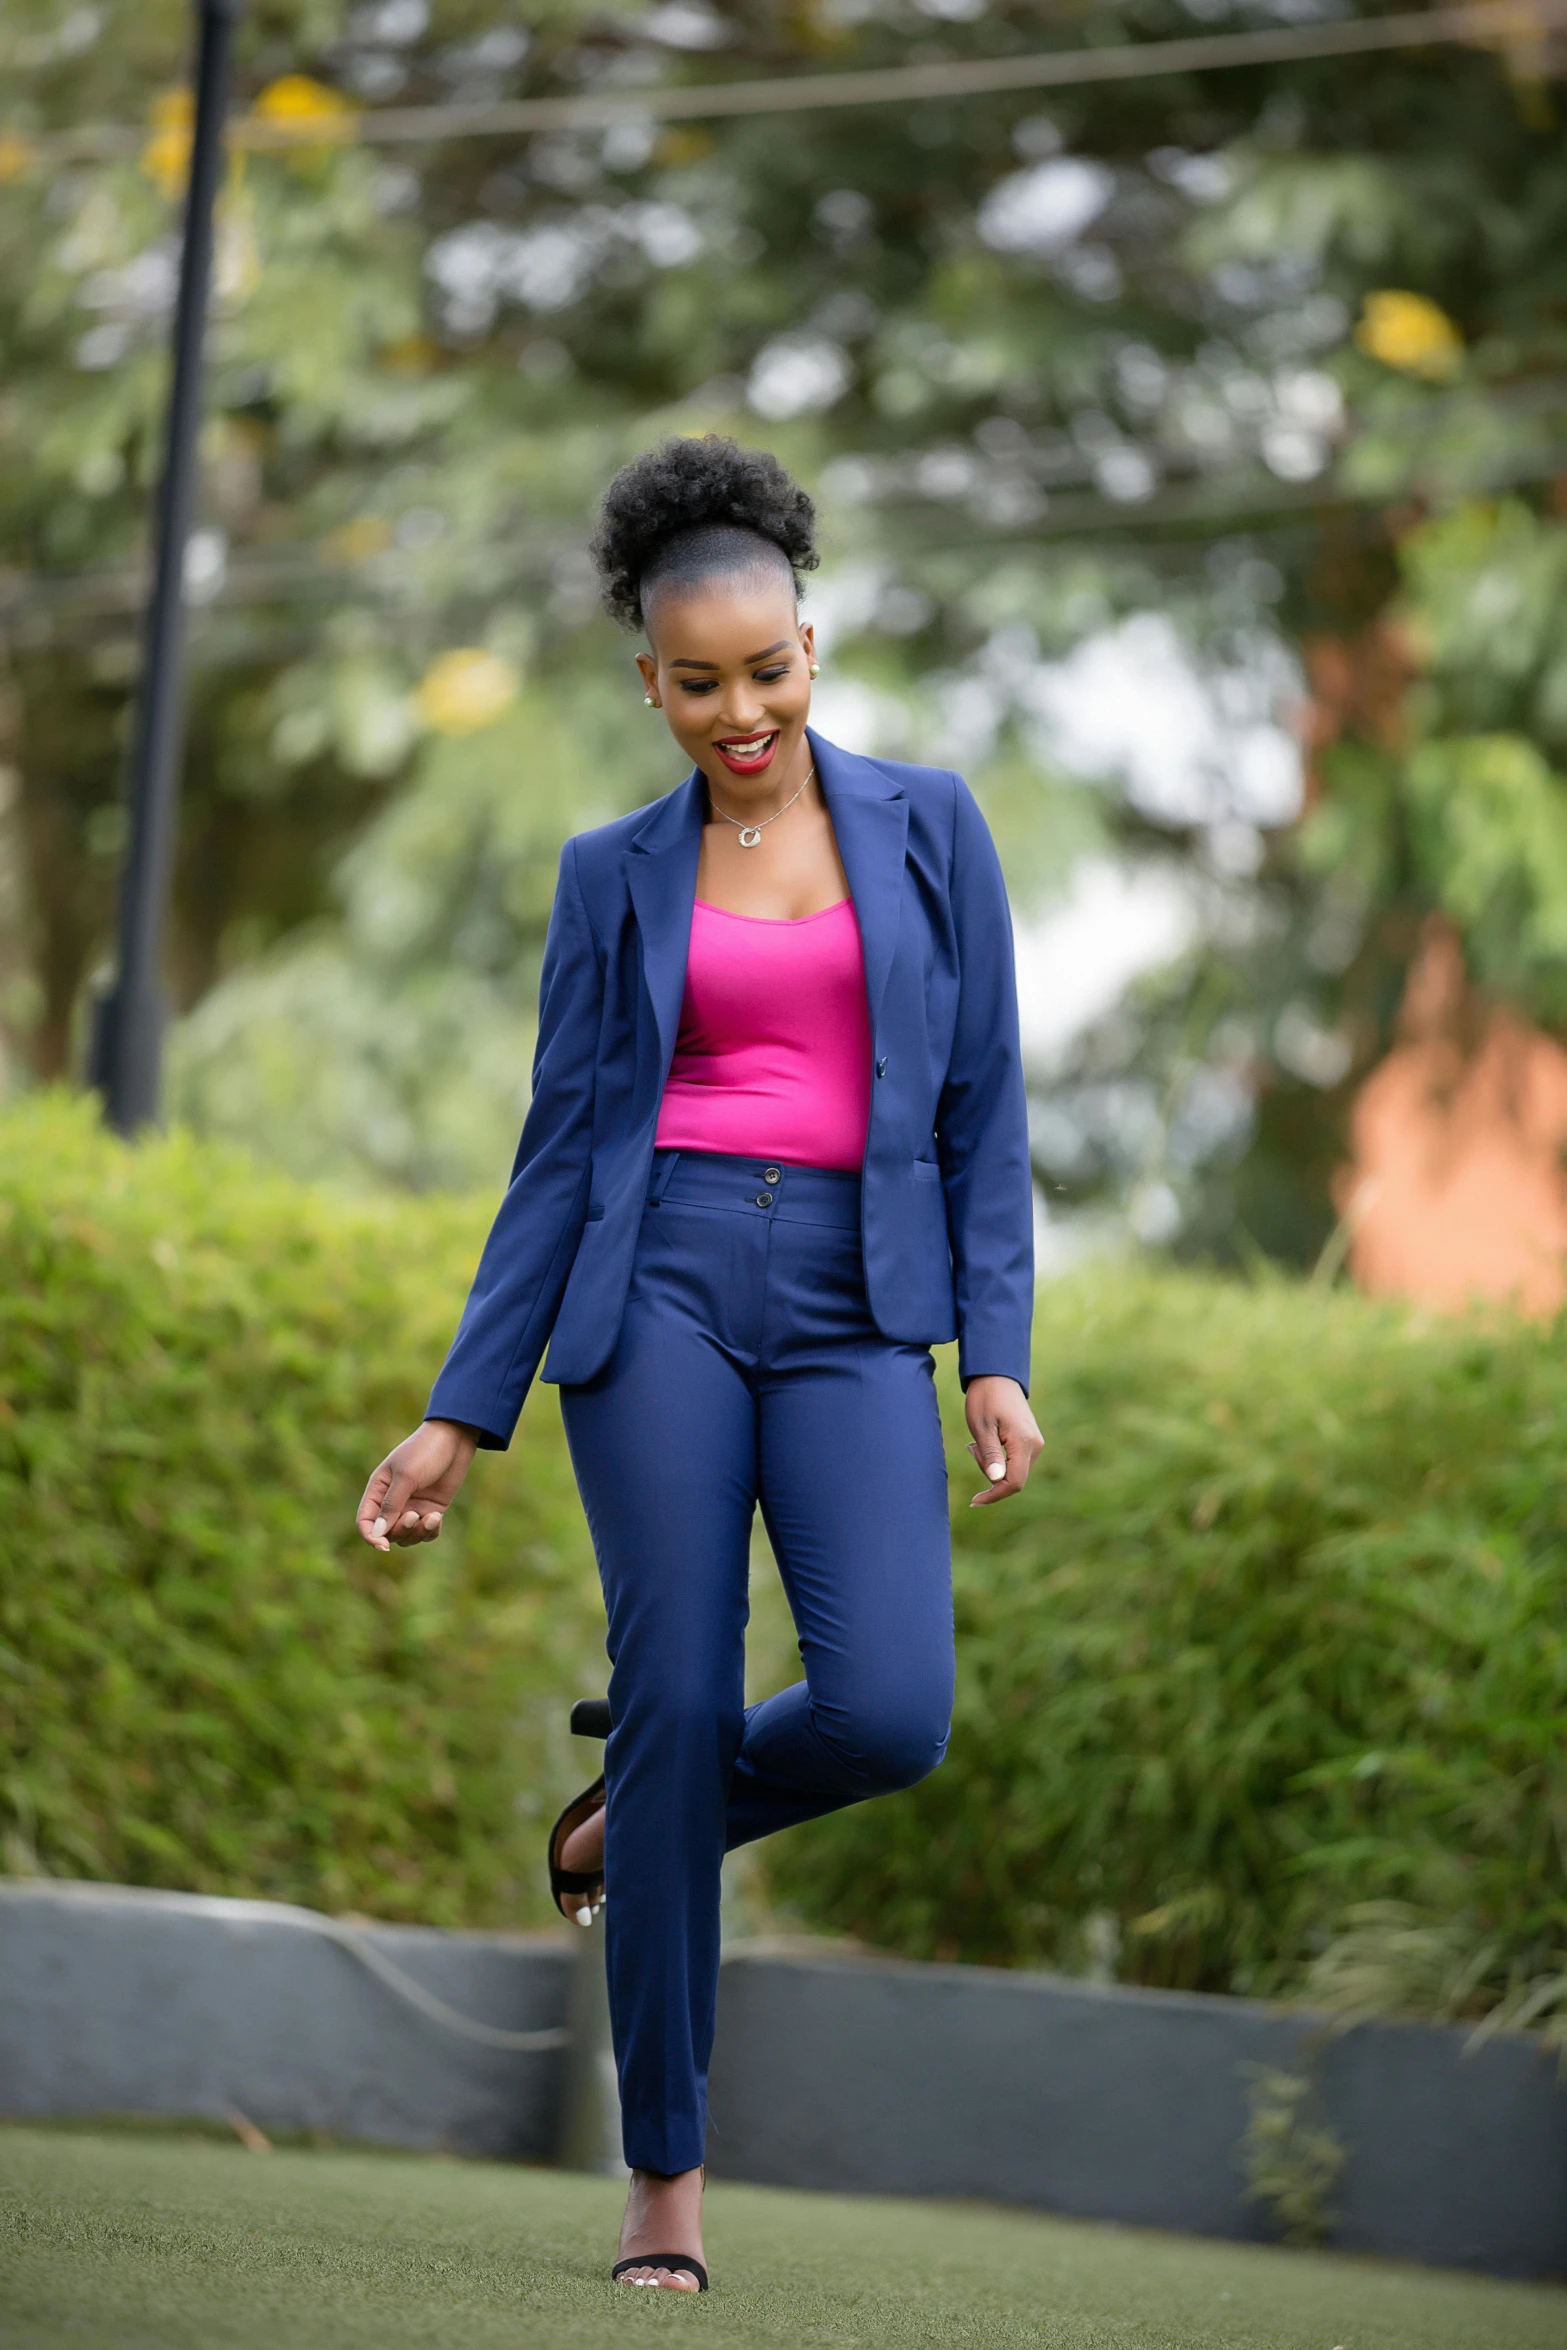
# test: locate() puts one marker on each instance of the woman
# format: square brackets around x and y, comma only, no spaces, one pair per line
[777,1148]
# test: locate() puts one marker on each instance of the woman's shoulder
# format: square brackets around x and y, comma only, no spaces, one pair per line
[927,787]
[939,801]
[929,790]
[944,816]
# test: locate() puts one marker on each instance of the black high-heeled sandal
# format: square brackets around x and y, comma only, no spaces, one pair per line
[583,1887]
[675,2262]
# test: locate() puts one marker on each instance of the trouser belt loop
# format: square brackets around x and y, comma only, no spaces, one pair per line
[664,1165]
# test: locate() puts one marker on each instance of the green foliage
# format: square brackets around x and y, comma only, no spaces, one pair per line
[1260,1684]
[1291,2163]
[206,1680]
[1486,593]
[1481,783]
[395,1041]
[1392,1958]
[1276,1630]
[1049,358]
[1490,831]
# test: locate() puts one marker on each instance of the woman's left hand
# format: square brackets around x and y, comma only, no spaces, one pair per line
[1006,1436]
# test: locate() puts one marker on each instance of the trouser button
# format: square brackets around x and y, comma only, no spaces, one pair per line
[764,1199]
[772,1175]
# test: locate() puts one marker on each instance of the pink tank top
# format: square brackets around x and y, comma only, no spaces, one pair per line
[773,1059]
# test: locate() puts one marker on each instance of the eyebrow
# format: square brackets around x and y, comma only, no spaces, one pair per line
[749,662]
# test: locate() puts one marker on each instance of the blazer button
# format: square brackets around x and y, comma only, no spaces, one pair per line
[772,1175]
[881,1066]
[764,1199]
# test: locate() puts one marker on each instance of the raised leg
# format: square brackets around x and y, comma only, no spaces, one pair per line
[853,1487]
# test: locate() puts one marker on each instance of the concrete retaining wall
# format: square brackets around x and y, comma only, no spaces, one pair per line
[121,2001]
[832,2072]
[1129,2105]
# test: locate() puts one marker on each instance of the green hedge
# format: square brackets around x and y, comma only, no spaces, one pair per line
[1276,1633]
[1274,1642]
[206,1680]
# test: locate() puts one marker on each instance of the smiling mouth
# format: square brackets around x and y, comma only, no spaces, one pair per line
[748,754]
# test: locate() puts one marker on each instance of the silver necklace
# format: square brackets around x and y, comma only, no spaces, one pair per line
[750,834]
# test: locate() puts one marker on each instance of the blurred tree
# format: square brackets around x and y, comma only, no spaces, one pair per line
[1425,603]
[1271,355]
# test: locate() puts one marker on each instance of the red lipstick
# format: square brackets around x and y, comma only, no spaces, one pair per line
[759,749]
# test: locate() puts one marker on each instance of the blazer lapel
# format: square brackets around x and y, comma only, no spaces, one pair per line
[661,875]
[870,816]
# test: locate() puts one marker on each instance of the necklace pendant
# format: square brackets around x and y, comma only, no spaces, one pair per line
[750,834]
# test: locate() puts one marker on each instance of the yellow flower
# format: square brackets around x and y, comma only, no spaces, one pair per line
[166,157]
[312,114]
[357,540]
[16,158]
[410,355]
[466,689]
[1409,332]
[681,146]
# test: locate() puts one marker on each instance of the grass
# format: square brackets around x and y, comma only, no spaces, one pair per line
[162,2243]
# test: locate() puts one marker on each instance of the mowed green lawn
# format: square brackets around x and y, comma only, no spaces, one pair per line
[126,2242]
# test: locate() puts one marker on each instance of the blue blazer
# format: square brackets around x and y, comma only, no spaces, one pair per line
[946,1197]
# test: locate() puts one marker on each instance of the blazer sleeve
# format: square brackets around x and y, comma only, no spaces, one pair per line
[522,1274]
[982,1120]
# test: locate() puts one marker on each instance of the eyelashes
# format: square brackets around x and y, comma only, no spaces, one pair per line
[708,685]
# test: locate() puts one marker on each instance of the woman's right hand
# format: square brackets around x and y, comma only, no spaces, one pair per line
[416,1484]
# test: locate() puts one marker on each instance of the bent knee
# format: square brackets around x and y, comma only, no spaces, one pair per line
[896,1747]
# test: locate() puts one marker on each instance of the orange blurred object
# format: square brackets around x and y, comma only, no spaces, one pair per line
[1457,1189]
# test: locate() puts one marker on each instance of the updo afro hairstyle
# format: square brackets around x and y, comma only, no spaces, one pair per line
[690,508]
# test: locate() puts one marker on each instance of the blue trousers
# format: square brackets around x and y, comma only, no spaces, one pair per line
[748,1370]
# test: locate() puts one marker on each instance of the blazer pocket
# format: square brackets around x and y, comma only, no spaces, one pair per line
[927,1170]
[595,1215]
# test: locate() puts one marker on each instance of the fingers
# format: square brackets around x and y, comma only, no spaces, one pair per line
[1006,1453]
[989,1446]
[382,1523]
[370,1519]
[1006,1475]
[990,1450]
[409,1494]
[393,1511]
[392,1524]
[419,1523]
[1006,1436]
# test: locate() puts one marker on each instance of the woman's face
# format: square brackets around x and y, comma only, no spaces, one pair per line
[730,668]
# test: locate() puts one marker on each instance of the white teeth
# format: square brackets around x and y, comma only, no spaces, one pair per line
[749,748]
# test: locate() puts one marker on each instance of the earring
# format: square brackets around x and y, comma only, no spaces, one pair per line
[816,669]
[648,702]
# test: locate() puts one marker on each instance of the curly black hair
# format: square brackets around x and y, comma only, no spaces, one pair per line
[690,508]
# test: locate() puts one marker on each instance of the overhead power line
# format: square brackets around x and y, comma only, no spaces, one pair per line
[1517,26]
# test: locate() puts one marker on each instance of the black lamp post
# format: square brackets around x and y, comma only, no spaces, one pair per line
[127,1042]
